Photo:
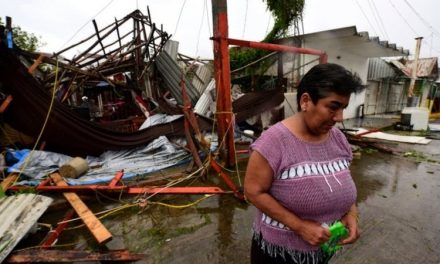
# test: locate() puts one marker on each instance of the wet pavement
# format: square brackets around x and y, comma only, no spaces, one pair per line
[398,199]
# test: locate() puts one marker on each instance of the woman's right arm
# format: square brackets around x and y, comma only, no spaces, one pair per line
[257,183]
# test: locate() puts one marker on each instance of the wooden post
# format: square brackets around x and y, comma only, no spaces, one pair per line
[101,234]
[414,68]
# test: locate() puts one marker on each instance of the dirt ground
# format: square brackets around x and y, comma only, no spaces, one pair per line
[398,198]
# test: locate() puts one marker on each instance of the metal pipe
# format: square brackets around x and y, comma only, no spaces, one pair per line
[276,47]
[223,82]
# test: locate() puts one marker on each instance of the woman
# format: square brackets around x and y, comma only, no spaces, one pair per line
[298,176]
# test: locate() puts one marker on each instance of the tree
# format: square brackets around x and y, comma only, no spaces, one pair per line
[286,13]
[25,40]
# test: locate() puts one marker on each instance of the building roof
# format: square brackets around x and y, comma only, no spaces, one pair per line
[426,67]
[352,41]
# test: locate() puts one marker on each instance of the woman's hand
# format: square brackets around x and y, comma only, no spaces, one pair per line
[312,232]
[350,220]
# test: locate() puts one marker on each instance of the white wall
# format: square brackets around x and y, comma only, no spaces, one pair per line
[337,54]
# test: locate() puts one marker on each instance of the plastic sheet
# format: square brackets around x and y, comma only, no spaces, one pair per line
[140,161]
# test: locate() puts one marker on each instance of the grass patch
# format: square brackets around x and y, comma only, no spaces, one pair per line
[419,157]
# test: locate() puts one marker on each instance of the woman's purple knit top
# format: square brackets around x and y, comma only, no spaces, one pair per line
[312,180]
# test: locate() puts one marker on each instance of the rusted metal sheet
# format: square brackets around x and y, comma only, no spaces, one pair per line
[18,213]
[426,67]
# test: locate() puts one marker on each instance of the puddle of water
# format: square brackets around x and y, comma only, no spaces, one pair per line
[218,230]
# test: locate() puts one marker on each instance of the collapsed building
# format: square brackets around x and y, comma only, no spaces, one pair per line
[127,72]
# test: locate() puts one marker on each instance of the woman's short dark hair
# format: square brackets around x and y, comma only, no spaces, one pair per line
[323,79]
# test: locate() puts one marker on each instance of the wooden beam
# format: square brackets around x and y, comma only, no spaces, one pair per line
[5,103]
[101,234]
[8,181]
[37,62]
[69,256]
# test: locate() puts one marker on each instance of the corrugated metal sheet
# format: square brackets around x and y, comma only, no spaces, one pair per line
[378,69]
[171,47]
[426,67]
[18,213]
[383,43]
[204,103]
[172,75]
[202,78]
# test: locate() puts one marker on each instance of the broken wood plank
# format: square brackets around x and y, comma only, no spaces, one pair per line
[63,256]
[5,103]
[101,234]
[37,62]
[8,181]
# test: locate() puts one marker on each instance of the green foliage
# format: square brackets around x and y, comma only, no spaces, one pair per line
[25,40]
[369,150]
[285,12]
[419,157]
[2,193]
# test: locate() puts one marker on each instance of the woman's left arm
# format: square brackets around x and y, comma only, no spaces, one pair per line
[351,221]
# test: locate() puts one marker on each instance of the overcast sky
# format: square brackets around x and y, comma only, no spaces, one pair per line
[64,22]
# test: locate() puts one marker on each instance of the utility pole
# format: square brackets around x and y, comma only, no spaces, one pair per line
[414,70]
[222,77]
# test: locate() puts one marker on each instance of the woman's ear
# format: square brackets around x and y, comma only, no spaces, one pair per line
[304,101]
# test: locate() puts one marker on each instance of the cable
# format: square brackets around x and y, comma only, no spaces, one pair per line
[422,19]
[28,158]
[245,19]
[85,24]
[366,17]
[120,208]
[200,28]
[375,18]
[178,19]
[409,25]
[380,20]
[210,30]
[398,12]
[268,23]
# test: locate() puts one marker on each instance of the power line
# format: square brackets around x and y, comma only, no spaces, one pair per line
[200,27]
[422,19]
[245,18]
[398,12]
[210,30]
[375,18]
[85,24]
[178,19]
[268,23]
[366,17]
[380,20]
[409,25]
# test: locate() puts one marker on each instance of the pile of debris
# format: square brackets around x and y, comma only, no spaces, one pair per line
[123,97]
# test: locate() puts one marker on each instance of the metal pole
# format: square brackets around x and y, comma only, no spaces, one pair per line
[276,47]
[222,80]
[414,69]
